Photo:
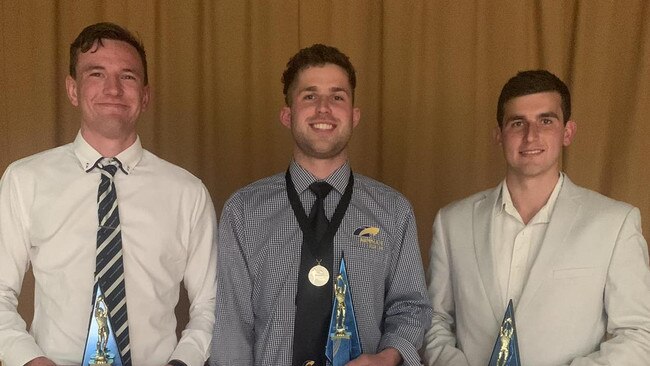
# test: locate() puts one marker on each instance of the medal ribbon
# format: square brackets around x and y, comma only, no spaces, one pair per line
[303,220]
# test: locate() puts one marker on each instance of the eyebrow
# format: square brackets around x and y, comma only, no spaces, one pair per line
[92,67]
[549,114]
[334,89]
[98,67]
[541,115]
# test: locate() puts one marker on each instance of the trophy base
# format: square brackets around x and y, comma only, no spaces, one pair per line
[340,335]
[103,361]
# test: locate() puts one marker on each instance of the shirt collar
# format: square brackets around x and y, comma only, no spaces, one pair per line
[504,203]
[302,178]
[88,156]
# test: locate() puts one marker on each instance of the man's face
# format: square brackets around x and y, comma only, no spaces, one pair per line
[532,135]
[109,89]
[321,116]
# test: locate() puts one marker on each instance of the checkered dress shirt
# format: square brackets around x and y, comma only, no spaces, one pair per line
[259,256]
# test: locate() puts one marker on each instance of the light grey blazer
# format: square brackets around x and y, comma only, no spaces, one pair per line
[591,277]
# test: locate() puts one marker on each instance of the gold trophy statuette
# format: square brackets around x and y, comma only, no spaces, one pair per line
[504,349]
[102,356]
[339,292]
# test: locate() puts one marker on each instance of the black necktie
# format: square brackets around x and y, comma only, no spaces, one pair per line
[109,268]
[313,303]
[317,215]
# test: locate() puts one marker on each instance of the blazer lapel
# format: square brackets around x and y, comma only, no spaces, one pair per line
[562,219]
[482,223]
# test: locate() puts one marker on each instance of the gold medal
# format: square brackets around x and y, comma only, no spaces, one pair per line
[318,275]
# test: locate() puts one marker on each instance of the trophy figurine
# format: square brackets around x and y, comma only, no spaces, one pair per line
[101,347]
[506,347]
[343,343]
[102,356]
[339,293]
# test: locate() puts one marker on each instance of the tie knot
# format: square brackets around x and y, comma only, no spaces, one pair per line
[109,165]
[320,189]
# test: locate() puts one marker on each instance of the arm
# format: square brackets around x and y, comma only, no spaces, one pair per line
[440,342]
[407,308]
[627,300]
[233,339]
[199,280]
[17,347]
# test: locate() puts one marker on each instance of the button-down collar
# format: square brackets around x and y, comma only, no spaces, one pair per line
[88,156]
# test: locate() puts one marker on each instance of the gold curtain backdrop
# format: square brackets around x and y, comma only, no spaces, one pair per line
[429,75]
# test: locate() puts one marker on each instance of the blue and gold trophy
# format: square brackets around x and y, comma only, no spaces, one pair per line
[101,348]
[343,342]
[506,348]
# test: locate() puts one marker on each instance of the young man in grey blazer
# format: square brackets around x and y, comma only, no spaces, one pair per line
[573,262]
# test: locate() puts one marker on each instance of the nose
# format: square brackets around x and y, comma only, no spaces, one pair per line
[323,105]
[113,86]
[531,132]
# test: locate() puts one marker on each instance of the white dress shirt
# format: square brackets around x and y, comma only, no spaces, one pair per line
[517,244]
[48,218]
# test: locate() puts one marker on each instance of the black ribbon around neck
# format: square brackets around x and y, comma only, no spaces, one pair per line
[318,249]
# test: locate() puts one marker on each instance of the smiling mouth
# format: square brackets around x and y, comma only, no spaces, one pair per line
[532,152]
[112,105]
[323,126]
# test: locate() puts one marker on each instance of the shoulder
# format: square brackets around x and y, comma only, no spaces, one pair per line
[41,163]
[596,204]
[258,193]
[467,204]
[376,193]
[152,166]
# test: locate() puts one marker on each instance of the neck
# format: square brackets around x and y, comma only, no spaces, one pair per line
[108,147]
[529,195]
[320,168]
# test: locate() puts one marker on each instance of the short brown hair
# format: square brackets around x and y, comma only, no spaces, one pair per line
[532,82]
[316,55]
[95,33]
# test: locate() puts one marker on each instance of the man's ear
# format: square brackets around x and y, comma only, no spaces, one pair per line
[146,95]
[496,135]
[356,116]
[570,129]
[285,116]
[72,91]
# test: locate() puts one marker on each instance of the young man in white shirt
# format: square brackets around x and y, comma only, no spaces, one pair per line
[162,233]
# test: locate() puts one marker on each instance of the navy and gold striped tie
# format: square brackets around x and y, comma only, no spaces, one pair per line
[109,268]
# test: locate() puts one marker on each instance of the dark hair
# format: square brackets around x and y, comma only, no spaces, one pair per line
[532,82]
[95,33]
[316,55]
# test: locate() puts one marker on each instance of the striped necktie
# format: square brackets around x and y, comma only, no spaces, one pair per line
[109,269]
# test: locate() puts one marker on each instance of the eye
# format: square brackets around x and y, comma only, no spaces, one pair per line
[309,97]
[129,77]
[95,74]
[339,98]
[517,123]
[547,121]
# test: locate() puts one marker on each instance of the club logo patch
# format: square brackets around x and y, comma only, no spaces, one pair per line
[367,235]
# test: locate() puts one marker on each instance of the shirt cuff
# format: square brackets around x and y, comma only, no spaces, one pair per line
[409,354]
[190,356]
[177,363]
[21,353]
